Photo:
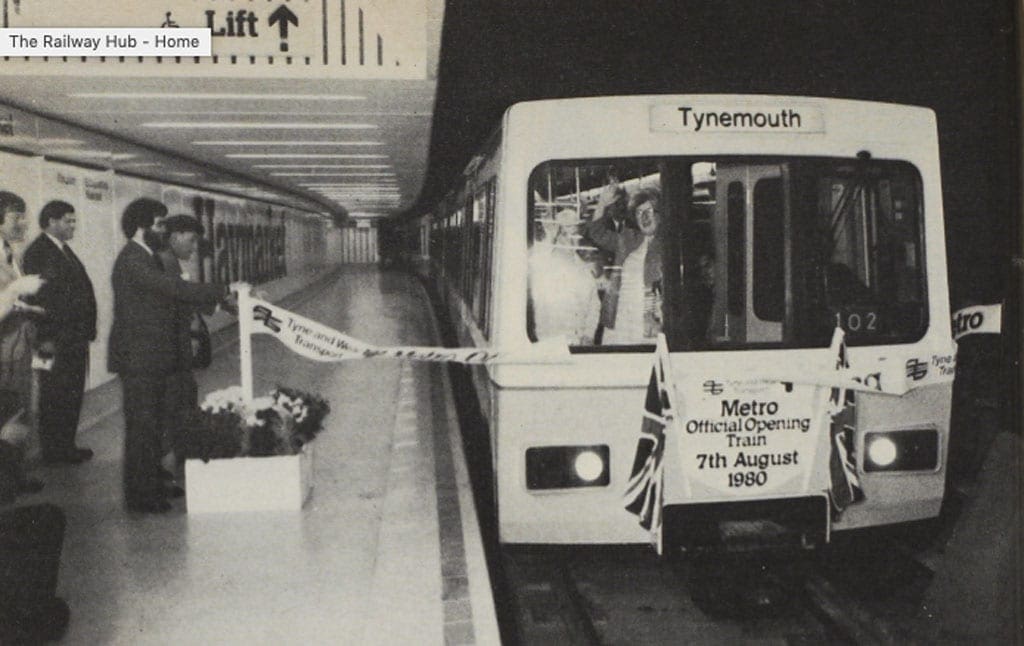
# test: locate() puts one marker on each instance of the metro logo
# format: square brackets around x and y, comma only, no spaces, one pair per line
[978,319]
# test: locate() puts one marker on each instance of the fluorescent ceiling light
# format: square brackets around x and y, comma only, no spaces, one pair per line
[57,142]
[256,142]
[265,125]
[94,154]
[364,198]
[332,191]
[367,174]
[141,165]
[321,166]
[182,174]
[218,96]
[350,186]
[305,156]
[364,187]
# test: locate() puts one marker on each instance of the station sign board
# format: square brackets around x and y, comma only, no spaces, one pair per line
[359,39]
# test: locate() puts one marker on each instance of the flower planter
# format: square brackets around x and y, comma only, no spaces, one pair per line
[282,482]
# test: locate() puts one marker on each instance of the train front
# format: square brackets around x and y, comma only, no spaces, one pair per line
[790,251]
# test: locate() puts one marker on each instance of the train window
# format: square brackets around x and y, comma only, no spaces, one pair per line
[773,252]
[594,264]
[768,287]
[735,246]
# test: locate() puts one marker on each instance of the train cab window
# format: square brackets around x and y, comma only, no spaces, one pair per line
[594,259]
[772,252]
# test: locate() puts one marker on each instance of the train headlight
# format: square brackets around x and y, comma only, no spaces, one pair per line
[567,467]
[910,450]
[882,451]
[588,465]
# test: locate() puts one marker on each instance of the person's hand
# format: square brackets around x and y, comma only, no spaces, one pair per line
[26,285]
[230,304]
[28,308]
[607,195]
[240,286]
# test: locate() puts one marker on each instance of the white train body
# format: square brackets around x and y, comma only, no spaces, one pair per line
[796,214]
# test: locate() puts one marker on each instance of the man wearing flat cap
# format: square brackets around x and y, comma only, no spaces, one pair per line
[183,233]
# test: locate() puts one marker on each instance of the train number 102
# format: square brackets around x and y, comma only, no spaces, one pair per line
[865,321]
[748,479]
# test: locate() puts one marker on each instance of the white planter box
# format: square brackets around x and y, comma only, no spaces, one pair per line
[280,482]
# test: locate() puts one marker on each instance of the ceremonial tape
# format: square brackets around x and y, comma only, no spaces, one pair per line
[322,343]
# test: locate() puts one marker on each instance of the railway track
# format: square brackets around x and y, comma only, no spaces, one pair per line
[626,595]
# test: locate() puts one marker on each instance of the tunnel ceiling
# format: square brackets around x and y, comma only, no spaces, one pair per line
[323,138]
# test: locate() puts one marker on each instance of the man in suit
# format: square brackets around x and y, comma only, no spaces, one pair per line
[63,333]
[142,348]
[183,232]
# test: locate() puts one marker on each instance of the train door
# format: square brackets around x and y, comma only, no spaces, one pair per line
[750,253]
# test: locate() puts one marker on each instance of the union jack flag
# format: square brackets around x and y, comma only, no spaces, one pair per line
[845,488]
[644,492]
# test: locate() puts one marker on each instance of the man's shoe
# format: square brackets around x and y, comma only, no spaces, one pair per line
[30,485]
[153,506]
[173,491]
[165,475]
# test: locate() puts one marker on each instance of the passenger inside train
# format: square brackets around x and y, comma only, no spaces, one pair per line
[850,256]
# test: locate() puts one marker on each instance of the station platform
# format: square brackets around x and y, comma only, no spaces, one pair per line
[386,551]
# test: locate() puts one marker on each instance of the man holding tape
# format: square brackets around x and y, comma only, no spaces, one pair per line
[142,348]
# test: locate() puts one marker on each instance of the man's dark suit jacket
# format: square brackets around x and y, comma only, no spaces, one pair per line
[67,295]
[146,297]
[183,313]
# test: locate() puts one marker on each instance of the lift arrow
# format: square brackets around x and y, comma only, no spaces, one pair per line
[282,16]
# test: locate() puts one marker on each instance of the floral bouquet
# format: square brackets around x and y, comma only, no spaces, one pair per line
[227,426]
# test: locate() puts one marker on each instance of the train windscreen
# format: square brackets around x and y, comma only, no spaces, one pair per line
[726,253]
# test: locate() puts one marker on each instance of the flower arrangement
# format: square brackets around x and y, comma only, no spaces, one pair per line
[227,426]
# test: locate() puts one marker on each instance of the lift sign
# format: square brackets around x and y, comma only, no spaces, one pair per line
[701,118]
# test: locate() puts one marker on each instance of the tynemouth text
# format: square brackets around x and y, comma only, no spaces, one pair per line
[780,119]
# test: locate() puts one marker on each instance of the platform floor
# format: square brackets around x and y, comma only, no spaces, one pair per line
[387,551]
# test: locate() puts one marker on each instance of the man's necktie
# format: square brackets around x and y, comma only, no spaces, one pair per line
[72,257]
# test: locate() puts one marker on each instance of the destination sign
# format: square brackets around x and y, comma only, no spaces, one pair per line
[703,118]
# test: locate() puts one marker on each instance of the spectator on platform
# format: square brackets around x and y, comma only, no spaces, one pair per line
[63,334]
[183,233]
[16,330]
[31,538]
[142,349]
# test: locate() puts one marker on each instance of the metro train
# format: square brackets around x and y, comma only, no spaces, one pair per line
[777,220]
